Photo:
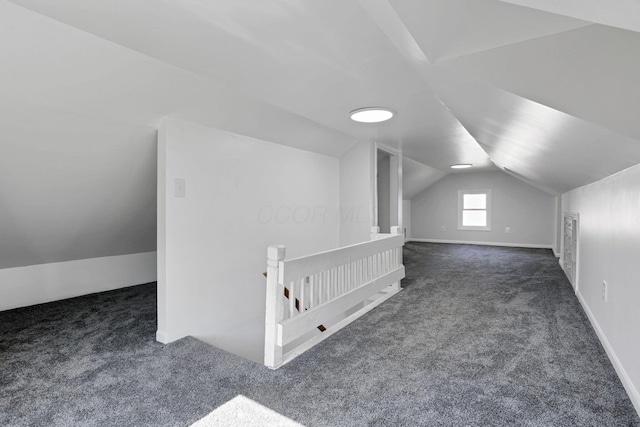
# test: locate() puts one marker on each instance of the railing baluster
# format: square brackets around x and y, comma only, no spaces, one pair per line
[325,287]
[355,274]
[351,274]
[312,283]
[344,279]
[314,291]
[387,261]
[334,282]
[347,277]
[384,262]
[292,299]
[328,285]
[364,269]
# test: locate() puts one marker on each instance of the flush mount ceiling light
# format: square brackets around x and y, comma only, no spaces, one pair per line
[371,114]
[461,166]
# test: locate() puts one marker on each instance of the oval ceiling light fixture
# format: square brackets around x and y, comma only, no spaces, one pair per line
[371,114]
[461,166]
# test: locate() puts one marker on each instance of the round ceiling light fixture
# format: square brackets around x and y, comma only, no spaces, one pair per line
[461,166]
[371,114]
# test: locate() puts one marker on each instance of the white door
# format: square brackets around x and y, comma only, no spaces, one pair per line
[570,247]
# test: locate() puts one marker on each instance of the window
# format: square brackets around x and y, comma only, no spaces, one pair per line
[474,210]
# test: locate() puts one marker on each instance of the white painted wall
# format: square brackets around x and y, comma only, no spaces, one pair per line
[527,211]
[406,218]
[37,284]
[609,249]
[558,226]
[72,190]
[416,177]
[357,169]
[242,195]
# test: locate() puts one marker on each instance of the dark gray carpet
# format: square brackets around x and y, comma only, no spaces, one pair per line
[481,336]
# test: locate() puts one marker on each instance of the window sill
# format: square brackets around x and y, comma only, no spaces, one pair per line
[462,228]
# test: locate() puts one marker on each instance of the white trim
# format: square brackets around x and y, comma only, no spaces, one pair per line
[341,324]
[556,254]
[42,283]
[165,338]
[468,242]
[461,194]
[389,150]
[397,154]
[575,216]
[628,385]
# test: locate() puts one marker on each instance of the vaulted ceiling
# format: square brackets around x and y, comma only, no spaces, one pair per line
[548,91]
[519,85]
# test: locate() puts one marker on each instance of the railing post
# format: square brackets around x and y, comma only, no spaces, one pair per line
[375,230]
[397,231]
[274,312]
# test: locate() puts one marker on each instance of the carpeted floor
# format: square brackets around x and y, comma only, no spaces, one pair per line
[481,336]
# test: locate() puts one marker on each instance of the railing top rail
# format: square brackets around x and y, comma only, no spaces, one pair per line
[344,248]
[296,268]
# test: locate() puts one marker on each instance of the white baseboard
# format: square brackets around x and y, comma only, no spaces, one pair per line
[166,338]
[468,242]
[37,284]
[556,254]
[631,389]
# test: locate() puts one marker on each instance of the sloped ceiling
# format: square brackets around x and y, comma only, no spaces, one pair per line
[615,13]
[548,92]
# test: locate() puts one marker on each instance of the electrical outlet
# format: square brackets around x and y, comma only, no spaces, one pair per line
[507,230]
[604,291]
[444,228]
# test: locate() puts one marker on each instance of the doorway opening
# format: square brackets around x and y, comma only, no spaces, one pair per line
[388,189]
[570,248]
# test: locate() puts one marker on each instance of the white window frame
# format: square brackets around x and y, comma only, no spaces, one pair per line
[461,194]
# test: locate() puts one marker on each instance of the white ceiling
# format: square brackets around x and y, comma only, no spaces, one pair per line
[616,13]
[539,87]
[306,64]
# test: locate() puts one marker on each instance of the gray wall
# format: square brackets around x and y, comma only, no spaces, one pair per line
[527,211]
[71,191]
[406,218]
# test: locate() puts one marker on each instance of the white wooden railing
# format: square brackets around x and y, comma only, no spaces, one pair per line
[310,298]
